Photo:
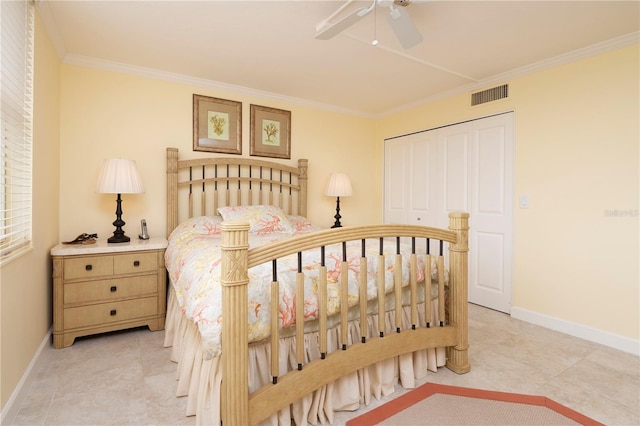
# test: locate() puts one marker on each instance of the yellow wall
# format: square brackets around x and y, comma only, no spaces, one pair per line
[106,114]
[576,156]
[26,296]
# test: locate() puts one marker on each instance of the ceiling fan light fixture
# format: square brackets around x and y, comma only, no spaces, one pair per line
[329,30]
[398,18]
[404,28]
[394,13]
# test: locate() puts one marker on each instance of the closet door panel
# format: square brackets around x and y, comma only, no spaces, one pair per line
[454,161]
[491,236]
[396,191]
[421,179]
[488,271]
[410,175]
[462,167]
[489,193]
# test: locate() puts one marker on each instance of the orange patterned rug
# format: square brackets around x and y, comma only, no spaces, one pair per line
[434,404]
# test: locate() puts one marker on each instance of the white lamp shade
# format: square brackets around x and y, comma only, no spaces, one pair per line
[119,176]
[339,185]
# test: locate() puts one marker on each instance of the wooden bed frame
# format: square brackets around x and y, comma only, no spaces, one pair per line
[236,181]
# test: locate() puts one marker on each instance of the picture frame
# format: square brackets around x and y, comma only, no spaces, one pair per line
[217,125]
[270,132]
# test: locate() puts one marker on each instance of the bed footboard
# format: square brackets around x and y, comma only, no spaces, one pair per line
[238,407]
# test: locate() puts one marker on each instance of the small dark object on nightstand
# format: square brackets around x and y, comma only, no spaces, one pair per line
[83,239]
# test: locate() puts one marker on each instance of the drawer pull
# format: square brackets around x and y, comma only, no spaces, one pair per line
[136,263]
[88,267]
[113,289]
[113,312]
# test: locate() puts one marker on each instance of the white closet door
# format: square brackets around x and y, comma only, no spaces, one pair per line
[477,177]
[464,167]
[410,175]
[491,210]
[396,192]
[454,145]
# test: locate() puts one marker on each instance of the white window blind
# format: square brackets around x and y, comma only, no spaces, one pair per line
[16,119]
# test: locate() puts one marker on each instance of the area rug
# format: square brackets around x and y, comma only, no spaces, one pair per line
[434,404]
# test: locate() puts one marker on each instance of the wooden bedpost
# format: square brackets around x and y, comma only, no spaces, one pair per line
[302,181]
[458,360]
[172,189]
[235,341]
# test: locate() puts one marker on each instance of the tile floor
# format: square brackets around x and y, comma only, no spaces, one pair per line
[126,377]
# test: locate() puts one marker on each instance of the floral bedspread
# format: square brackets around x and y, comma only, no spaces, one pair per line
[193,259]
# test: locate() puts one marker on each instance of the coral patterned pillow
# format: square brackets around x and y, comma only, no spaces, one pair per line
[262,220]
[201,225]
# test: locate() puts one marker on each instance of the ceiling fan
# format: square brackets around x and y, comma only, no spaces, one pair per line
[398,18]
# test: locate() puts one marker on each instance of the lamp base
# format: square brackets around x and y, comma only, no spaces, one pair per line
[337,217]
[119,238]
[118,234]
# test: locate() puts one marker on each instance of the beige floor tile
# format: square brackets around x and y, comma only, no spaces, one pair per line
[591,402]
[163,408]
[622,362]
[605,382]
[127,378]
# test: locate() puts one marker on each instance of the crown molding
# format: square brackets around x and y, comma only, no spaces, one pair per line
[91,62]
[589,51]
[616,43]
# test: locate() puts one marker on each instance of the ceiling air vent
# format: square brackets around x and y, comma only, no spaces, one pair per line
[489,95]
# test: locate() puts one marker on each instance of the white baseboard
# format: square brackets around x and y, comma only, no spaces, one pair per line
[12,406]
[606,338]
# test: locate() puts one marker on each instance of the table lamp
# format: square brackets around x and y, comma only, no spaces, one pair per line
[119,176]
[339,186]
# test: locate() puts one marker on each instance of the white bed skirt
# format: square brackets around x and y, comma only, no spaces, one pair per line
[199,379]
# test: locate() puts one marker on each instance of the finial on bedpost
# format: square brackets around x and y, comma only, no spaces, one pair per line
[234,280]
[303,165]
[172,189]
[458,292]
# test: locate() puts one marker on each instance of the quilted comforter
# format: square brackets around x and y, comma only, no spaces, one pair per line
[193,259]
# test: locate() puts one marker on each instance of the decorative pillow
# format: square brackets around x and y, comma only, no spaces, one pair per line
[207,225]
[302,225]
[262,219]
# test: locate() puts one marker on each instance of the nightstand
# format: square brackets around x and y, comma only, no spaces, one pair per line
[103,287]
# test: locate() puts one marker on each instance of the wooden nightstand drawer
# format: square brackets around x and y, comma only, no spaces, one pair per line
[105,313]
[135,262]
[103,290]
[88,267]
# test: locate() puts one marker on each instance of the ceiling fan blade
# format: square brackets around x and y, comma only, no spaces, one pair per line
[332,30]
[402,24]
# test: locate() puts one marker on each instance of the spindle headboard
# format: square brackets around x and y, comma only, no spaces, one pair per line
[210,183]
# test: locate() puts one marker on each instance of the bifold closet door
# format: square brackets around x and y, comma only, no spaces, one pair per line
[477,177]
[491,207]
[462,167]
[409,185]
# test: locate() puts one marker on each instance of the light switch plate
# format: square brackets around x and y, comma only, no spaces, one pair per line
[524,201]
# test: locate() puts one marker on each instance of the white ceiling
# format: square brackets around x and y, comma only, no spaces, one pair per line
[270,46]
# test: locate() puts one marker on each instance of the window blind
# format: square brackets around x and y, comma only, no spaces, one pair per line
[16,119]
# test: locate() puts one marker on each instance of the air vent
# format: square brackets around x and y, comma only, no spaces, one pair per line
[489,95]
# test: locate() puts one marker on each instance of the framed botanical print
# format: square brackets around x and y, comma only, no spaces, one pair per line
[217,125]
[270,132]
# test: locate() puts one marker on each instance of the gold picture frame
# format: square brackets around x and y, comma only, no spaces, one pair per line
[270,132]
[217,125]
